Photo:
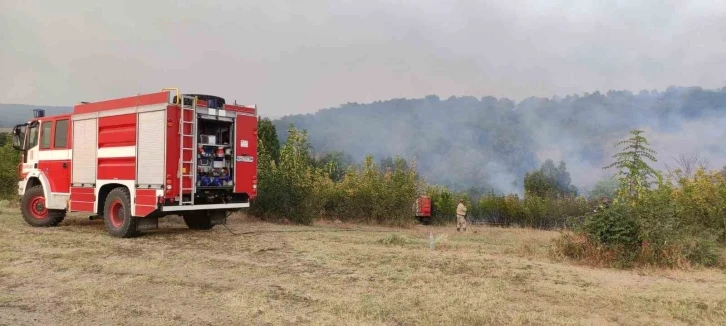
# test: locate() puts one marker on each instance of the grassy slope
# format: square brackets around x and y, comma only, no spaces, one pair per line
[77,274]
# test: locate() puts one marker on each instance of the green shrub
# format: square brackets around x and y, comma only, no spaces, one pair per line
[9,160]
[287,190]
[298,190]
[532,211]
[443,202]
[368,194]
[613,227]
[653,222]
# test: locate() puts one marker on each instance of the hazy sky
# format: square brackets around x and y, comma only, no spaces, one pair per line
[301,56]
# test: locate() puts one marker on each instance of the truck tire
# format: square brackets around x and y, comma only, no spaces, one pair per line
[117,214]
[34,211]
[198,220]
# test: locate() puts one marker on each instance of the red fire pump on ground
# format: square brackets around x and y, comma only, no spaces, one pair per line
[422,209]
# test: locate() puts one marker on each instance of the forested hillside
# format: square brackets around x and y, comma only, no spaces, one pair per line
[491,143]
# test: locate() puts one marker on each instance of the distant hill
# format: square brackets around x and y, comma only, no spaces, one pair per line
[13,114]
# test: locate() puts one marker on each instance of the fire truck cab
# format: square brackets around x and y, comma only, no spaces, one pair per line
[133,160]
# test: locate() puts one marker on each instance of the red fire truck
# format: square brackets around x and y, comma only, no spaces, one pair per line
[130,161]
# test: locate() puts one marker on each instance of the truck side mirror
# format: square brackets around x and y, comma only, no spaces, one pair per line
[19,138]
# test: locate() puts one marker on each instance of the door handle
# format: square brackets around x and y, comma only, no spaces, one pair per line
[65,165]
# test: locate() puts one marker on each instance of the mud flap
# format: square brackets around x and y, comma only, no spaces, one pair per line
[147,223]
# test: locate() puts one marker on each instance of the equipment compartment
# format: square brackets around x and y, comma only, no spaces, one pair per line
[215,154]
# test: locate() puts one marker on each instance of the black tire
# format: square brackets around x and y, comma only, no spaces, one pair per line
[424,220]
[117,214]
[198,220]
[34,211]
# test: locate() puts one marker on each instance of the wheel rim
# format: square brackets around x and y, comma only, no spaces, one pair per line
[37,207]
[116,214]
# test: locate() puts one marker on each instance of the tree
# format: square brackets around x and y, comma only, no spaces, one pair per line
[267,138]
[287,188]
[687,165]
[549,180]
[604,188]
[537,184]
[334,164]
[634,173]
[389,163]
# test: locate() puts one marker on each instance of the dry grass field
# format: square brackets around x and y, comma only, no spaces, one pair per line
[328,274]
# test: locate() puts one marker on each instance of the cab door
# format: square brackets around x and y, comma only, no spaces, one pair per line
[31,153]
[245,150]
[54,157]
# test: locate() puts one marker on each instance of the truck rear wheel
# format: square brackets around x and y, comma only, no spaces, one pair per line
[200,220]
[34,211]
[117,214]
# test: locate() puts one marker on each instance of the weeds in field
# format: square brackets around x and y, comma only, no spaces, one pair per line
[394,240]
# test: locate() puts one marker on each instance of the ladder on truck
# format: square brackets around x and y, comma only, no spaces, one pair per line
[188,119]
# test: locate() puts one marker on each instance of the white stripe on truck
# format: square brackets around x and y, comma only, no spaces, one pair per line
[124,151]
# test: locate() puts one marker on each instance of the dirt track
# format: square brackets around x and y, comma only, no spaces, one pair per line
[76,274]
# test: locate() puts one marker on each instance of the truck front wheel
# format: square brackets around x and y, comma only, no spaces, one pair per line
[117,214]
[34,209]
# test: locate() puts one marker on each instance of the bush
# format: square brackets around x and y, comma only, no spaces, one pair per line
[9,160]
[613,227]
[654,223]
[700,201]
[532,211]
[300,191]
[288,190]
[666,227]
[372,196]
[443,202]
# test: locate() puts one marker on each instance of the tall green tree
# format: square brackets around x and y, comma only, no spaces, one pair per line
[267,138]
[634,174]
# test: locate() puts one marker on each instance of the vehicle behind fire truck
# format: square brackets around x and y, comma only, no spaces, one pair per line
[133,160]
